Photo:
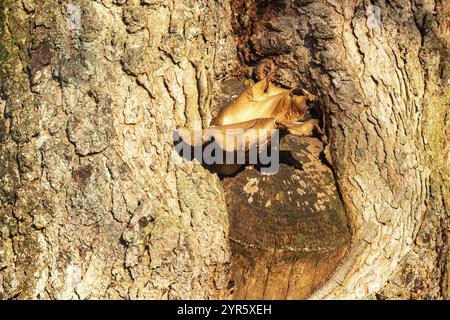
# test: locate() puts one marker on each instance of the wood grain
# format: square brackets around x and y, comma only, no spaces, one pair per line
[288,231]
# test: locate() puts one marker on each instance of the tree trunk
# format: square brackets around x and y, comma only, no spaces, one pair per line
[93,204]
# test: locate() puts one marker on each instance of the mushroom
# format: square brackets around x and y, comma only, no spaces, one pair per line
[254,114]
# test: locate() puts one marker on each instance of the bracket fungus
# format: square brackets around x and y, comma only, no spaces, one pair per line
[249,121]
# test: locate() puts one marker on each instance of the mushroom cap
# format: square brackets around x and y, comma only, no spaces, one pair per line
[263,100]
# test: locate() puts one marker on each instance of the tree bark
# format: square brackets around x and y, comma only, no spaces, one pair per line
[387,112]
[92,203]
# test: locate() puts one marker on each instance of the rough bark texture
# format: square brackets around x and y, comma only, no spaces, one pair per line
[92,205]
[383,85]
[288,231]
[383,88]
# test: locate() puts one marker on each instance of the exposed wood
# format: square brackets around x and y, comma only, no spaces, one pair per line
[288,231]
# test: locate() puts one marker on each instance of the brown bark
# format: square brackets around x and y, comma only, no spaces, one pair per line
[92,205]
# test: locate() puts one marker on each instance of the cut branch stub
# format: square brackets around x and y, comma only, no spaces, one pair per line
[288,231]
